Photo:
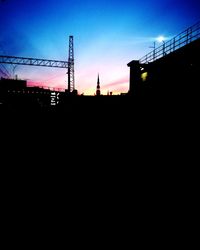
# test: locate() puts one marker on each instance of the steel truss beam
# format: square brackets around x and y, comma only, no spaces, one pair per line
[71,78]
[33,62]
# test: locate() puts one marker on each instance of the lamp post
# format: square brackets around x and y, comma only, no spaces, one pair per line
[154,50]
[161,39]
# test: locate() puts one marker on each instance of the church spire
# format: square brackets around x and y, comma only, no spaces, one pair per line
[98,91]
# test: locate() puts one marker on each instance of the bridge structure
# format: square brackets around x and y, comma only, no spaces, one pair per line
[187,36]
[68,65]
[170,70]
[33,62]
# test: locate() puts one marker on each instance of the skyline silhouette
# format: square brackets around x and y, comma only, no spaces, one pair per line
[107,36]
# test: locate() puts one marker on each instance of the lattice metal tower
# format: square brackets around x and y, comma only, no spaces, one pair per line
[71,79]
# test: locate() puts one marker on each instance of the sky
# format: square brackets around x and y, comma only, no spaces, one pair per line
[108,34]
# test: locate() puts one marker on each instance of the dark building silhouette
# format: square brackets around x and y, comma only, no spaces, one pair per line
[13,84]
[98,91]
[15,95]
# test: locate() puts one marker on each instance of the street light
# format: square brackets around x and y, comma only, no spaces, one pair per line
[161,39]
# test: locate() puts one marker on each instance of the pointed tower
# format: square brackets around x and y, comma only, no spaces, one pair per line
[98,91]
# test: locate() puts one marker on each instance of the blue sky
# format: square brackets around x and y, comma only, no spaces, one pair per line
[107,35]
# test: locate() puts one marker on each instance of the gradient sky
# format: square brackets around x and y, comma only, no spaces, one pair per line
[107,35]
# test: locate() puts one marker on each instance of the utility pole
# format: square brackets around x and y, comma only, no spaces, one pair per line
[154,50]
[71,80]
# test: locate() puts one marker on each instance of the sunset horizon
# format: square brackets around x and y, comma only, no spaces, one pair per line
[107,36]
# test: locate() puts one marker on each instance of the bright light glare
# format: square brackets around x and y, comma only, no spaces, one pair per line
[144,76]
[160,39]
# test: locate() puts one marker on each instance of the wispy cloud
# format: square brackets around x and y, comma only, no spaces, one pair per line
[116,83]
[60,87]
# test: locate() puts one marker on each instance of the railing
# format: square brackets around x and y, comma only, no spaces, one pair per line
[189,35]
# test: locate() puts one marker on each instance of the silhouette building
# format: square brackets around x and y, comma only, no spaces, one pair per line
[98,91]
